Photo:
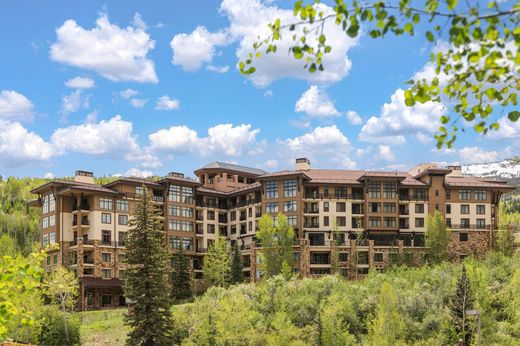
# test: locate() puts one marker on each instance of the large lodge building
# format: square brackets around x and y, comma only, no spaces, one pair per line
[90,222]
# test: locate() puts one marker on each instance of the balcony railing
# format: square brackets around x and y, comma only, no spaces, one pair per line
[468,226]
[311,210]
[158,199]
[202,250]
[333,195]
[311,225]
[413,198]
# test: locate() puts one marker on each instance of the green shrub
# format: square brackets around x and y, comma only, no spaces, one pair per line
[53,329]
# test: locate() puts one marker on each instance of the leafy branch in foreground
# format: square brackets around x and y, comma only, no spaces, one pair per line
[475,62]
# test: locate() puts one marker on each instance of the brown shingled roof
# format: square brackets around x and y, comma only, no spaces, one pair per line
[466,181]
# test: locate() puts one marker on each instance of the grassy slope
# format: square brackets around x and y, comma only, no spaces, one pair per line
[104,327]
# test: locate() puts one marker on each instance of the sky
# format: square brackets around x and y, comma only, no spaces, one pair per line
[141,88]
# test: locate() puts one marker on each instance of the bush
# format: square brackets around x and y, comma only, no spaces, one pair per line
[53,328]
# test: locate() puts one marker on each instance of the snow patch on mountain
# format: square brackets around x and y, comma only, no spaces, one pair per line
[509,169]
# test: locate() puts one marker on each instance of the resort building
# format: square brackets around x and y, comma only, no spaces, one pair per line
[380,218]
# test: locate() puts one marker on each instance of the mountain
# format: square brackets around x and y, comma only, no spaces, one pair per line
[506,169]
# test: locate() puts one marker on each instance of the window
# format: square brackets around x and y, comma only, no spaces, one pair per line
[378,257]
[45,240]
[289,187]
[271,207]
[122,274]
[464,195]
[374,190]
[271,189]
[121,258]
[291,220]
[106,273]
[448,195]
[48,260]
[448,208]
[122,205]
[481,223]
[187,212]
[326,221]
[187,243]
[389,222]
[233,229]
[174,210]
[106,299]
[341,207]
[234,215]
[480,195]
[419,222]
[357,208]
[374,222]
[289,206]
[106,257]
[390,190]
[122,219]
[105,203]
[175,242]
[463,237]
[138,190]
[174,193]
[389,207]
[106,218]
[45,222]
[464,223]
[45,207]
[211,229]
[187,226]
[464,208]
[106,237]
[52,238]
[326,206]
[52,203]
[55,259]
[340,192]
[343,257]
[420,194]
[437,193]
[481,209]
[341,221]
[419,208]
[210,215]
[174,225]
[187,193]
[374,207]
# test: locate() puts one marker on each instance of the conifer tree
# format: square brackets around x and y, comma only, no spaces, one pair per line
[461,302]
[236,266]
[147,284]
[216,264]
[181,282]
[437,238]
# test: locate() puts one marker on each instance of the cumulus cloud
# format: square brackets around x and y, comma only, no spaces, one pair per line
[138,103]
[128,93]
[271,163]
[218,69]
[477,155]
[165,103]
[323,145]
[191,51]
[224,139]
[396,120]
[354,118]
[315,102]
[118,54]
[507,129]
[140,173]
[48,175]
[19,147]
[386,153]
[80,83]
[73,102]
[15,106]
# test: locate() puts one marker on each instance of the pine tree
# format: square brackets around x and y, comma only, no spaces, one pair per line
[236,266]
[181,282]
[387,327]
[216,264]
[147,283]
[461,302]
[437,238]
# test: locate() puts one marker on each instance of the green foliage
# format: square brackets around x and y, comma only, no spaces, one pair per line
[477,71]
[387,327]
[181,281]
[437,238]
[277,245]
[147,283]
[461,302]
[216,268]
[334,260]
[237,276]
[55,333]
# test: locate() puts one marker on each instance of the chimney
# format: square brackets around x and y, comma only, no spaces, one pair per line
[303,164]
[456,171]
[176,175]
[84,177]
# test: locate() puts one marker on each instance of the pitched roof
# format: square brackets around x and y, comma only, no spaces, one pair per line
[467,181]
[134,180]
[232,167]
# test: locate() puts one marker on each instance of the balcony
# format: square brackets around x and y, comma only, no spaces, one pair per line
[468,226]
[320,258]
[202,250]
[311,210]
[88,259]
[108,243]
[158,199]
[84,222]
[413,197]
[311,225]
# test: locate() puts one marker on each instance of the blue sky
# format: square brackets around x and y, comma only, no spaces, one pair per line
[151,87]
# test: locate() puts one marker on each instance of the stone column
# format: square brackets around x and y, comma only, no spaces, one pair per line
[305,258]
[252,262]
[352,273]
[371,254]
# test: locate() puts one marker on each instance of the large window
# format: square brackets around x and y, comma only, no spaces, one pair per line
[464,208]
[271,189]
[105,203]
[464,223]
[187,226]
[106,257]
[174,193]
[481,209]
[389,208]
[374,207]
[174,210]
[174,242]
[52,238]
[106,237]
[480,195]
[187,194]
[122,219]
[187,243]
[271,207]
[289,206]
[464,195]
[481,223]
[341,221]
[187,212]
[289,187]
[390,190]
[419,208]
[122,238]
[340,192]
[341,207]
[174,225]
[45,207]
[374,190]
[138,190]
[389,222]
[419,222]
[106,218]
[291,220]
[52,203]
[374,222]
[123,206]
[107,274]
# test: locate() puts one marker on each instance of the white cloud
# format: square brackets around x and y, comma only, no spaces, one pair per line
[507,129]
[271,163]
[118,54]
[73,102]
[138,22]
[354,118]
[223,139]
[48,175]
[19,147]
[138,103]
[218,69]
[15,106]
[323,145]
[268,93]
[385,153]
[165,103]
[80,83]
[363,152]
[191,51]
[396,120]
[424,138]
[128,93]
[135,172]
[477,155]
[315,102]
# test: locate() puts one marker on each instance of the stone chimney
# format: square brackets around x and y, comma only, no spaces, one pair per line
[421,168]
[303,164]
[456,171]
[84,177]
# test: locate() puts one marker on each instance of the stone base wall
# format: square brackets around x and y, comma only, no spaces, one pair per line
[476,245]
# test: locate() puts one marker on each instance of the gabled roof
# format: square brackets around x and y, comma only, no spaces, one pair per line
[232,167]
[467,181]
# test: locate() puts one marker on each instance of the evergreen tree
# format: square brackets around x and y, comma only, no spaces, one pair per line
[236,266]
[387,327]
[147,282]
[437,238]
[216,264]
[181,282]
[461,302]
